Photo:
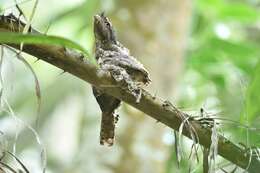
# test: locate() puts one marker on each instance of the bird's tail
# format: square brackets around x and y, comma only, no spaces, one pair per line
[107,131]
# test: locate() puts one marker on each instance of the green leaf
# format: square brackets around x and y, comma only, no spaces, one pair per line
[240,12]
[229,11]
[17,38]
[242,54]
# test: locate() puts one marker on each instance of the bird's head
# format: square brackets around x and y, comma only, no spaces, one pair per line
[103,29]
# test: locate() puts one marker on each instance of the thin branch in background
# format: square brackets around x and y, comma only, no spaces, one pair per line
[205,151]
[193,156]
[18,160]
[2,170]
[29,22]
[177,149]
[232,171]
[185,123]
[194,151]
[194,137]
[257,152]
[38,94]
[244,104]
[213,150]
[208,119]
[25,31]
[20,11]
[1,77]
[47,29]
[222,169]
[7,167]
[250,158]
[43,154]
[3,155]
[36,82]
[16,3]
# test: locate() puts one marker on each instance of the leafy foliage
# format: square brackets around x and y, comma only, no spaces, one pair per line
[17,38]
[223,53]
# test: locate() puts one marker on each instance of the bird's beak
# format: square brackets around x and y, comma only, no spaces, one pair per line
[97,17]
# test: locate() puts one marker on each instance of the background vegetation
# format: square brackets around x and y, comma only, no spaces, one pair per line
[201,54]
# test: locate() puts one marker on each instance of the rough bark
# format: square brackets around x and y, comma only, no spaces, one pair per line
[72,62]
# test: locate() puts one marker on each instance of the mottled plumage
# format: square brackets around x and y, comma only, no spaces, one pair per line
[115,59]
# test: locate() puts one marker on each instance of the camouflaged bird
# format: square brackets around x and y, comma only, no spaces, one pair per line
[112,57]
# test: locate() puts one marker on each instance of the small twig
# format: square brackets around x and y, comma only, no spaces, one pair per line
[8,167]
[18,160]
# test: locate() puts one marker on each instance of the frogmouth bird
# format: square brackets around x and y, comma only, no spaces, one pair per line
[113,58]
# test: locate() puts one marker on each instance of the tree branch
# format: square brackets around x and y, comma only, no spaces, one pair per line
[74,63]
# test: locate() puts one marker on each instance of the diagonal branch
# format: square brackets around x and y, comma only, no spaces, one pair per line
[74,63]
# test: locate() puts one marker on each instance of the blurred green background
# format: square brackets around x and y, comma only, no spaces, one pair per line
[200,54]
